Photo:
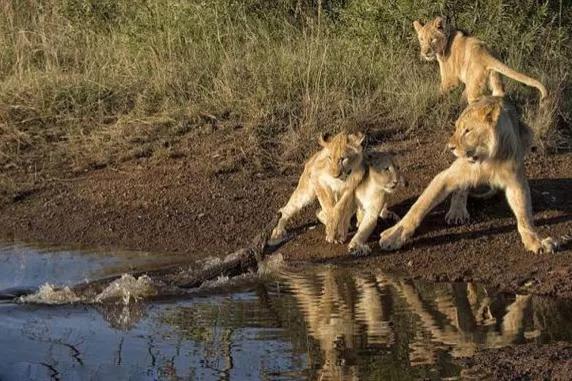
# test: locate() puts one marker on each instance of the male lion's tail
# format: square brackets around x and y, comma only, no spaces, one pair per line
[500,67]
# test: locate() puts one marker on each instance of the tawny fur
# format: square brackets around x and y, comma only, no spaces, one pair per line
[331,176]
[489,143]
[382,177]
[465,59]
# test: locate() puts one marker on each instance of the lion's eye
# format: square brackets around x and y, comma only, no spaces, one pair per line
[468,130]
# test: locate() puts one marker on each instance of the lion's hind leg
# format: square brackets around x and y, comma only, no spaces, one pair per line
[476,87]
[496,84]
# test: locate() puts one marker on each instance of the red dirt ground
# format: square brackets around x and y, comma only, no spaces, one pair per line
[200,205]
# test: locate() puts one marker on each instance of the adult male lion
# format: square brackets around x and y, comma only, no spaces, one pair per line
[490,144]
[466,59]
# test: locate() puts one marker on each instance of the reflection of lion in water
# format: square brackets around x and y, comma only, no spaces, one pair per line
[490,144]
[466,59]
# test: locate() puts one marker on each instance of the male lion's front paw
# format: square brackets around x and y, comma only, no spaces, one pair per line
[358,249]
[393,238]
[457,216]
[547,246]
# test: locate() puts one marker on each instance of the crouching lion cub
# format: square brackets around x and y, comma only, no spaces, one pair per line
[490,143]
[466,59]
[331,175]
[382,177]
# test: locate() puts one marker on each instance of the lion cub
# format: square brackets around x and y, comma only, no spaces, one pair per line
[330,175]
[466,59]
[370,202]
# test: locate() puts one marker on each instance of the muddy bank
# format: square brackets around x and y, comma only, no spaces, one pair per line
[522,362]
[210,201]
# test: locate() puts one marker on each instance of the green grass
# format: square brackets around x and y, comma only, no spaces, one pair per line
[88,83]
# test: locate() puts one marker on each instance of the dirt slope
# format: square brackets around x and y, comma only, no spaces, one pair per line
[210,202]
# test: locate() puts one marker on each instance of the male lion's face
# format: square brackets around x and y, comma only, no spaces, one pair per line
[345,153]
[433,37]
[474,136]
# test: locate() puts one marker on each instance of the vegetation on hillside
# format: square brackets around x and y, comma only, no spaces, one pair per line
[88,83]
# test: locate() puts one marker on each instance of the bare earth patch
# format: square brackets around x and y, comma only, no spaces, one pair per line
[208,202]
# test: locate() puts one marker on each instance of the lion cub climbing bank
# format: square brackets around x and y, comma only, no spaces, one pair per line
[466,59]
[490,143]
[331,175]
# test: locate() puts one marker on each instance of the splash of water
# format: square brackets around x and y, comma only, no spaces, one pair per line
[210,262]
[48,294]
[220,281]
[127,289]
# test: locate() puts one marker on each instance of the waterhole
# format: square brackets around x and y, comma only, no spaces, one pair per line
[322,322]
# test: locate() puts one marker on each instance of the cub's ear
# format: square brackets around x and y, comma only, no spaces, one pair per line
[357,139]
[324,139]
[417,25]
[441,22]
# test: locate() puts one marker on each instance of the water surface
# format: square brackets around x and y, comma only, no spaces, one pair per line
[324,322]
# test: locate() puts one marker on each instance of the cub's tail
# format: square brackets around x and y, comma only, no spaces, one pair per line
[500,67]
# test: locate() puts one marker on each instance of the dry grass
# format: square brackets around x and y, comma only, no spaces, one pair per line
[88,83]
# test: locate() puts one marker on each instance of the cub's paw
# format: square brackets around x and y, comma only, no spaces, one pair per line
[321,216]
[342,233]
[330,233]
[457,216]
[393,238]
[358,249]
[387,214]
[278,234]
